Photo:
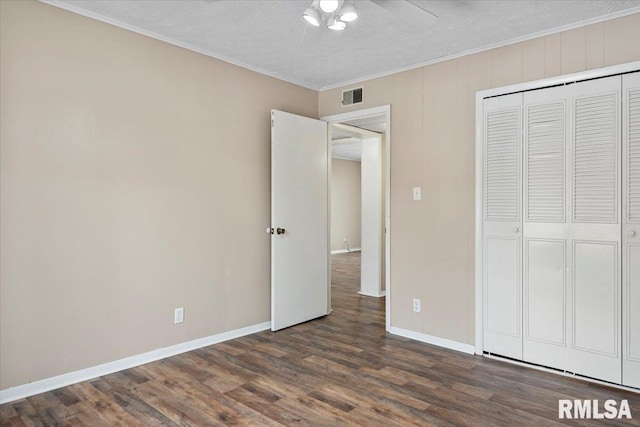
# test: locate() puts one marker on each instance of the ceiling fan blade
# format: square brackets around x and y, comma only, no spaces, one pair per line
[408,11]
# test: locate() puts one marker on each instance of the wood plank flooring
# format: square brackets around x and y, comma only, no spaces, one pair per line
[339,370]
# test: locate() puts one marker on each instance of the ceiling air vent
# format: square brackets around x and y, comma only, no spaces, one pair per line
[352,97]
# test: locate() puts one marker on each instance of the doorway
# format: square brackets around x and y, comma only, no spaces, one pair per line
[363,137]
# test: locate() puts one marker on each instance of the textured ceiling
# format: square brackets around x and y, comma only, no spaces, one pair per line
[347,151]
[347,143]
[271,37]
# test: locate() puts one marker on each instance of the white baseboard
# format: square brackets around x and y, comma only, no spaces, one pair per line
[344,251]
[371,294]
[429,339]
[48,384]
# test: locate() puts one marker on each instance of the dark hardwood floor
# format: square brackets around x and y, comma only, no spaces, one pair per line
[338,370]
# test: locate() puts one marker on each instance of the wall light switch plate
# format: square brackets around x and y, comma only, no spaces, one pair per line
[417,193]
[416,305]
[178,315]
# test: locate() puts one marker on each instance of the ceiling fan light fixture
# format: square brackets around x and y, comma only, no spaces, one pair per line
[329,6]
[348,12]
[312,16]
[336,24]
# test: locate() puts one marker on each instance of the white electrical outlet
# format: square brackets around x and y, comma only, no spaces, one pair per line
[416,305]
[178,315]
[417,193]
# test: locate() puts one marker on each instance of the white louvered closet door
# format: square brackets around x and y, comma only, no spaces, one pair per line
[502,226]
[631,230]
[545,299]
[595,229]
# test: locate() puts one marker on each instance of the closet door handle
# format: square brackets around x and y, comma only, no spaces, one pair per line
[631,233]
[516,229]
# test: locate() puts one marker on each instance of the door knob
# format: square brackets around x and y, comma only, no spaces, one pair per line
[280,230]
[516,229]
[631,233]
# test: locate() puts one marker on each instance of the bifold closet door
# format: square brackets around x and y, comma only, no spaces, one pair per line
[545,230]
[631,230]
[595,230]
[502,226]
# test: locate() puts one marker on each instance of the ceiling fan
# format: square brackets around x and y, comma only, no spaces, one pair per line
[335,14]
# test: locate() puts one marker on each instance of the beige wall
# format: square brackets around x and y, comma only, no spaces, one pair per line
[432,146]
[345,204]
[134,179]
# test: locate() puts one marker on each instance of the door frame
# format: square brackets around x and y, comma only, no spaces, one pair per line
[504,90]
[363,114]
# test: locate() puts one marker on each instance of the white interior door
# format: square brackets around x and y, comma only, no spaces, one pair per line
[595,229]
[545,231]
[299,219]
[631,230]
[502,226]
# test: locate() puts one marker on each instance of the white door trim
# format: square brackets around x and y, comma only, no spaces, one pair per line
[361,114]
[519,87]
